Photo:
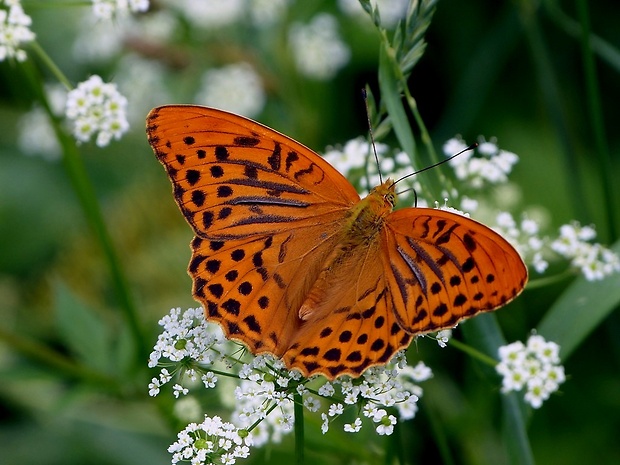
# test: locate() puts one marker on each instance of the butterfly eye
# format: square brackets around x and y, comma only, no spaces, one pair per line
[390,198]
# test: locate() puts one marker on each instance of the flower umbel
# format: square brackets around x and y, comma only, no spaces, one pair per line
[317,48]
[212,441]
[534,366]
[14,30]
[95,107]
[191,349]
[107,9]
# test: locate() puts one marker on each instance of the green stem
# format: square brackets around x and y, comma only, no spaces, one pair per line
[545,281]
[87,198]
[299,428]
[424,134]
[257,422]
[47,61]
[438,431]
[473,352]
[86,195]
[604,50]
[56,362]
[596,117]
[549,85]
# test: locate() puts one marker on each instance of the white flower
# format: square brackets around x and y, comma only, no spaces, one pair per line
[595,261]
[491,166]
[106,9]
[335,409]
[208,14]
[154,386]
[236,87]
[317,48]
[421,372]
[312,403]
[352,155]
[264,395]
[95,107]
[327,390]
[386,422]
[14,30]
[209,379]
[188,409]
[210,441]
[325,424]
[534,366]
[443,337]
[37,136]
[179,390]
[353,427]
[265,13]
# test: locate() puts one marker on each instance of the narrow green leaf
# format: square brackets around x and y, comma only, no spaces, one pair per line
[85,334]
[514,431]
[579,310]
[484,333]
[388,83]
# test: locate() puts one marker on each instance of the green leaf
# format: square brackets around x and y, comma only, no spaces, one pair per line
[514,431]
[579,310]
[388,83]
[484,333]
[81,329]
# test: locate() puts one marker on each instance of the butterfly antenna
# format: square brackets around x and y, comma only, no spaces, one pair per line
[470,147]
[415,195]
[372,139]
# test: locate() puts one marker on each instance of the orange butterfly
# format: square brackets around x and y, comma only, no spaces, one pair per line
[289,260]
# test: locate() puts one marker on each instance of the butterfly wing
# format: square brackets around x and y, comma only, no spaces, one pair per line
[265,211]
[353,326]
[233,177]
[442,267]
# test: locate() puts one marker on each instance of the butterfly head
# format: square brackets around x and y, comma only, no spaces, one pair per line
[385,193]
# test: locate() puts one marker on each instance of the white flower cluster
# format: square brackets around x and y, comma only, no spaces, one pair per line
[107,9]
[14,30]
[264,395]
[236,87]
[357,154]
[595,261]
[524,237]
[210,14]
[317,48]
[186,337]
[534,366]
[210,442]
[95,107]
[37,136]
[266,384]
[492,166]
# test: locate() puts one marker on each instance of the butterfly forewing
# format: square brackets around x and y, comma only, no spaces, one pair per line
[233,177]
[443,267]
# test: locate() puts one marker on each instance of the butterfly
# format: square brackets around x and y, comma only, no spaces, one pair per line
[289,260]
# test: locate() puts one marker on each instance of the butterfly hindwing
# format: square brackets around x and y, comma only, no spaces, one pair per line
[254,286]
[353,327]
[442,267]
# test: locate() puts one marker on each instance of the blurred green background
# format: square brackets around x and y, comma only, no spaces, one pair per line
[71,391]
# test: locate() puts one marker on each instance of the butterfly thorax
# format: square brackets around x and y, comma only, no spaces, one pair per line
[360,231]
[367,216]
